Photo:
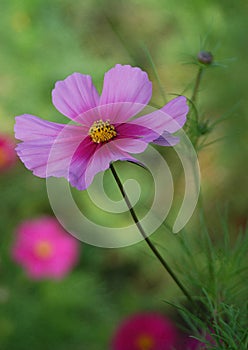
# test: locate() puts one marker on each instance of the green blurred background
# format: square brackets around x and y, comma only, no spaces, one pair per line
[45,41]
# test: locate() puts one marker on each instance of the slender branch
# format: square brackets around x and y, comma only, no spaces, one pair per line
[197,84]
[148,241]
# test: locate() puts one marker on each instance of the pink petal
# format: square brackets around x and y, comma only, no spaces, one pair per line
[30,128]
[91,159]
[166,139]
[47,147]
[80,161]
[129,130]
[130,145]
[170,118]
[75,96]
[126,91]
[110,152]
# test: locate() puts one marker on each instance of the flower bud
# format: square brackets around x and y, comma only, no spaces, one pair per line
[205,57]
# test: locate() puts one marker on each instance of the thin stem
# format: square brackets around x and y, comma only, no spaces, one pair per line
[197,83]
[148,241]
[149,57]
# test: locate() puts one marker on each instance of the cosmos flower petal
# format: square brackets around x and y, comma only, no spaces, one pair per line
[30,128]
[129,130]
[130,145]
[80,161]
[47,147]
[92,158]
[126,91]
[75,97]
[166,139]
[110,152]
[170,118]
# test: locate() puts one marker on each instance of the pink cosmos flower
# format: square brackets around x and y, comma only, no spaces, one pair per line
[7,152]
[145,331]
[194,344]
[44,249]
[104,131]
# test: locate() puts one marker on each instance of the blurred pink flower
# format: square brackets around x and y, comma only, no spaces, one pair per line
[44,249]
[194,344]
[104,131]
[145,331]
[7,152]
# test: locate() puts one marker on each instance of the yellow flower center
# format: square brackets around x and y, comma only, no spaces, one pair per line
[102,131]
[43,249]
[145,342]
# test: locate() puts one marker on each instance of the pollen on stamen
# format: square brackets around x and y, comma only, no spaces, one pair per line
[102,131]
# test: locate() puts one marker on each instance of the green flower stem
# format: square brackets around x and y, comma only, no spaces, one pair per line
[148,241]
[197,84]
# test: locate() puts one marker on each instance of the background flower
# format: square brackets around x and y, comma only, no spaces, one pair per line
[145,331]
[7,152]
[195,344]
[44,249]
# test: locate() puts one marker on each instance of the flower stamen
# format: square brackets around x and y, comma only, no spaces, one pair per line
[43,249]
[145,342]
[102,131]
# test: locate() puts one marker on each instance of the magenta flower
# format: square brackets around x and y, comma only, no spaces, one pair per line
[195,344]
[7,152]
[145,331]
[44,249]
[104,131]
